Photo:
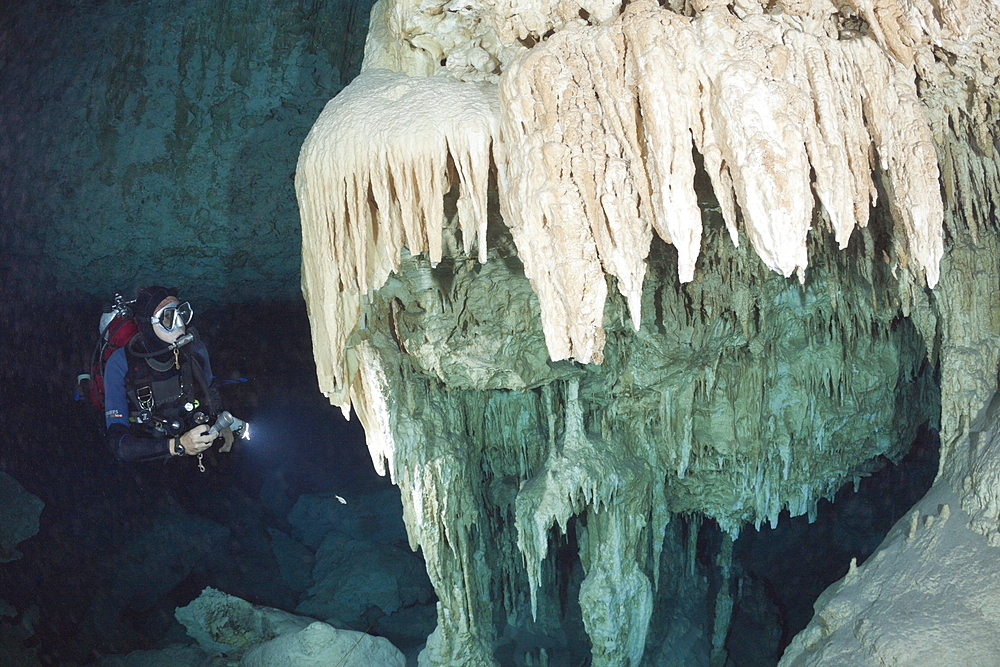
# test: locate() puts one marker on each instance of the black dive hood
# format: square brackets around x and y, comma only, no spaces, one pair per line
[146,301]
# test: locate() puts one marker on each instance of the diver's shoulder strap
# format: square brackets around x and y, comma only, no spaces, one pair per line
[198,374]
[138,379]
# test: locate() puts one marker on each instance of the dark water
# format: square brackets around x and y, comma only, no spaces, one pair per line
[95,579]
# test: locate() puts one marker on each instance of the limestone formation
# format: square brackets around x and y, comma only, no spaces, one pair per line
[319,644]
[934,578]
[547,254]
[231,630]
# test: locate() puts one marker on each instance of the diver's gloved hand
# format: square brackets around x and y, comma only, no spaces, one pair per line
[227,440]
[197,440]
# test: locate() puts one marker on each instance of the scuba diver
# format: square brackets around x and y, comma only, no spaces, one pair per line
[158,397]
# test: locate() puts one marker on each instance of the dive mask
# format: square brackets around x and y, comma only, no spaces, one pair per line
[173,316]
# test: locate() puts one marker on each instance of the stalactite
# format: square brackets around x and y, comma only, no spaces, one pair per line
[768,92]
[605,196]
[726,392]
[616,597]
[371,179]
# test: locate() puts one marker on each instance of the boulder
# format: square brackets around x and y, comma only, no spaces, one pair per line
[321,645]
[21,511]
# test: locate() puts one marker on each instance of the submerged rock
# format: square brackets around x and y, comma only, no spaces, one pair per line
[21,511]
[257,636]
[320,645]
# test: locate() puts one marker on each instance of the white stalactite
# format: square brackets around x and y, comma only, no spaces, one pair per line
[371,180]
[599,125]
[598,128]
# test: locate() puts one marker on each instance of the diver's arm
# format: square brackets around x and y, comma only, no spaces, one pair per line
[206,367]
[128,447]
[199,348]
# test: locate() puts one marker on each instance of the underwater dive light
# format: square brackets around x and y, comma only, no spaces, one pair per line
[227,420]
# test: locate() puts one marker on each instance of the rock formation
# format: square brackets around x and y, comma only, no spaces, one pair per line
[21,511]
[547,250]
[934,579]
[257,636]
[167,134]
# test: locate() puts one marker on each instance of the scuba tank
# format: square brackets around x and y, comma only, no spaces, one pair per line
[116,328]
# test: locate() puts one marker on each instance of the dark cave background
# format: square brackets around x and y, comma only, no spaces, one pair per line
[82,213]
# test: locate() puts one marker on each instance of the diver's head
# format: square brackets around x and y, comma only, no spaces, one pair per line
[161,316]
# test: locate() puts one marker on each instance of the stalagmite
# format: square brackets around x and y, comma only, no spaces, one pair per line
[547,260]
[723,605]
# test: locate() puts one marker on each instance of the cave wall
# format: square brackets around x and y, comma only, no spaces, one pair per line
[159,144]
